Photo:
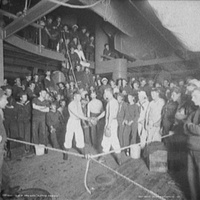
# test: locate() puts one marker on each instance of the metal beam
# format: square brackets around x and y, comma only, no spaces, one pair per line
[115,12]
[27,64]
[40,9]
[140,63]
[12,16]
[32,48]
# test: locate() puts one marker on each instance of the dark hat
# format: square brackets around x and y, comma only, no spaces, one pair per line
[83,27]
[8,87]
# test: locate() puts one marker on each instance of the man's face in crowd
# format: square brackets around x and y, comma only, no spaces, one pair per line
[8,92]
[196,98]
[3,101]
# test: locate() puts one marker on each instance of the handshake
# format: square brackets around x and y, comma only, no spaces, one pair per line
[92,121]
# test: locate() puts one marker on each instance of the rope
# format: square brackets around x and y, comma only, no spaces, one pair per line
[86,174]
[92,157]
[130,180]
[50,148]
[75,6]
[123,148]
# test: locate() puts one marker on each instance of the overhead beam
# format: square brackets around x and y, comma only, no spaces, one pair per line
[20,70]
[157,61]
[12,16]
[115,12]
[24,63]
[40,9]
[32,48]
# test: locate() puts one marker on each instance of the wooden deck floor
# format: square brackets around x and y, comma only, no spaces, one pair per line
[64,179]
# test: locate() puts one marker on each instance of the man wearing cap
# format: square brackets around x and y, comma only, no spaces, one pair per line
[103,86]
[26,81]
[74,31]
[88,78]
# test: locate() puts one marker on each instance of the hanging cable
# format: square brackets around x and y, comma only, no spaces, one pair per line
[75,6]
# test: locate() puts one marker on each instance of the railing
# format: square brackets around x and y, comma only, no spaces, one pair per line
[36,26]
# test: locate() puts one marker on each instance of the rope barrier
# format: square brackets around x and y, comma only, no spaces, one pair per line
[130,180]
[86,174]
[49,148]
[92,157]
[123,148]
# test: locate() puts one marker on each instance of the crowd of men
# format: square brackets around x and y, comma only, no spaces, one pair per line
[61,37]
[117,112]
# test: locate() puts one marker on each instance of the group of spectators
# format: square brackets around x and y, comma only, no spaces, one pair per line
[61,37]
[139,109]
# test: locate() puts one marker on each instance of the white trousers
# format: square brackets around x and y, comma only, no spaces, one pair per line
[113,140]
[154,134]
[142,132]
[74,128]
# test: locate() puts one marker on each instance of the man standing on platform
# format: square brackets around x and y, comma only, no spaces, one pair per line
[74,125]
[192,130]
[110,138]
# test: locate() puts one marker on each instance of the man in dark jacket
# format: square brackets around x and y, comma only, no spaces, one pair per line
[192,130]
[23,109]
[4,177]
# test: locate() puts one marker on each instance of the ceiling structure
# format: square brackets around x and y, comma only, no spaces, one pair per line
[124,15]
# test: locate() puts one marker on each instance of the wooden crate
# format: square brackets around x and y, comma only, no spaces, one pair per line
[157,161]
[156,155]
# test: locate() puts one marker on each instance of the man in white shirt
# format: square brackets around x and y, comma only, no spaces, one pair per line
[74,124]
[110,137]
[143,104]
[81,56]
[153,119]
[95,109]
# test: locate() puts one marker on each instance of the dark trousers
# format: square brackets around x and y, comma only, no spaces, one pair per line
[4,175]
[193,173]
[24,128]
[130,134]
[96,132]
[53,138]
[11,128]
[39,131]
[120,133]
